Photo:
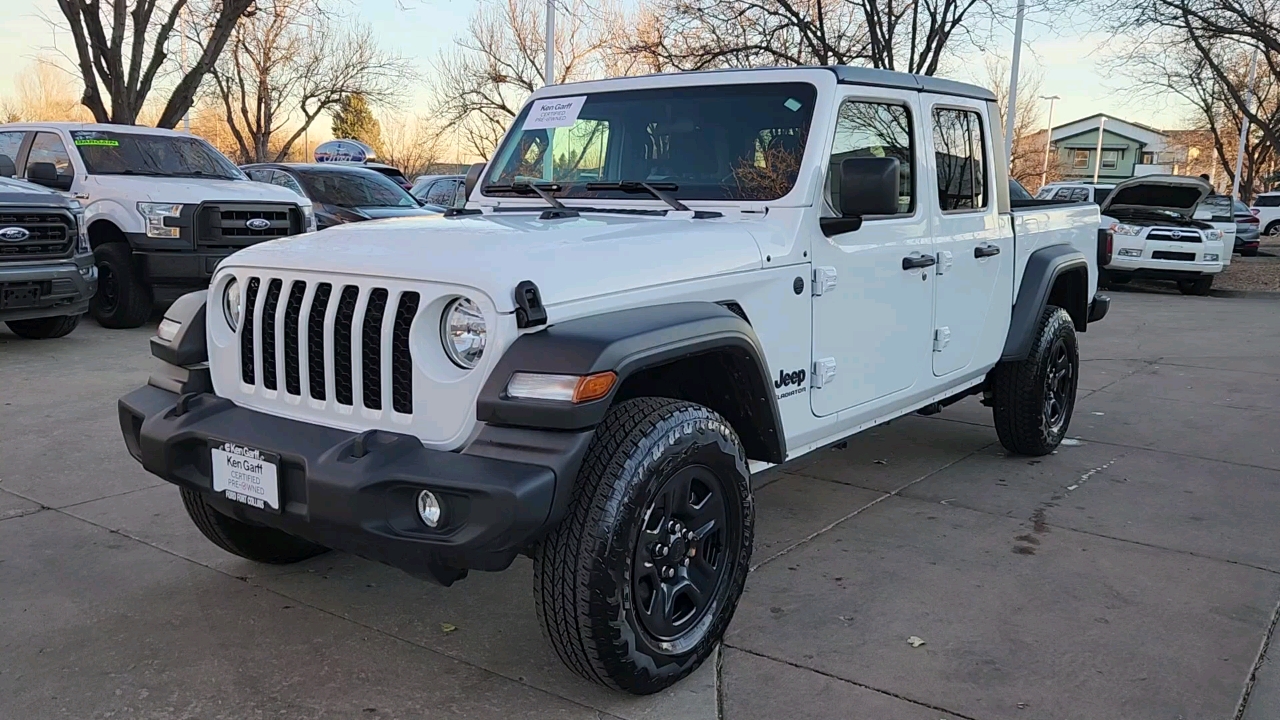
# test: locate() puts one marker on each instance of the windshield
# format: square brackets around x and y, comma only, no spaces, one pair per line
[354,188]
[741,142]
[109,153]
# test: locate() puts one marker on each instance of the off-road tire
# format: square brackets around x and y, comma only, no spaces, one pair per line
[584,578]
[44,328]
[1021,389]
[122,300]
[252,542]
[1199,286]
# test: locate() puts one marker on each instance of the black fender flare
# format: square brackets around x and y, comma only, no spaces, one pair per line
[627,342]
[1044,267]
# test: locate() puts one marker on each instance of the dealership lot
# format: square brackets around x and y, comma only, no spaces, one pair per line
[1135,573]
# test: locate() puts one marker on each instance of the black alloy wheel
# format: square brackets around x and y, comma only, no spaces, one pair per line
[1059,387]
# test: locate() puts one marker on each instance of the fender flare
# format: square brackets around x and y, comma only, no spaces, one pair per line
[1044,267]
[627,342]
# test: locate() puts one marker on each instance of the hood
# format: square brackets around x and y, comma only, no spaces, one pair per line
[191,191]
[569,259]
[1177,194]
[20,192]
[393,212]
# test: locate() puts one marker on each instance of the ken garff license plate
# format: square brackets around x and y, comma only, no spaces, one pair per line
[246,475]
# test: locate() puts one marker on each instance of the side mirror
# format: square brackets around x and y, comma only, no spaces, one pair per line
[473,179]
[7,168]
[43,173]
[867,186]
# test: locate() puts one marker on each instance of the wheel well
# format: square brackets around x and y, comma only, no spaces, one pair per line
[729,382]
[104,231]
[1070,292]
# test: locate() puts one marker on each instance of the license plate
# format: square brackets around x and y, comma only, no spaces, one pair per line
[20,297]
[246,475]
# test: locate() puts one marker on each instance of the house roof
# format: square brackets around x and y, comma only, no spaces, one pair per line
[1137,132]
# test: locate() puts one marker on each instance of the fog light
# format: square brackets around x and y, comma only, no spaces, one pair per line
[1210,257]
[1130,252]
[429,508]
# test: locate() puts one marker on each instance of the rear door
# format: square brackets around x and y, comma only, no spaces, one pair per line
[873,316]
[973,239]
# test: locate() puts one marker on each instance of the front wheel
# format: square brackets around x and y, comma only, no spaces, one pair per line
[44,328]
[122,300]
[1035,397]
[1199,286]
[637,584]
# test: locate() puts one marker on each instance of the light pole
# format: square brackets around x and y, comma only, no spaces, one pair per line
[549,68]
[1048,138]
[1012,110]
[1097,154]
[1244,126]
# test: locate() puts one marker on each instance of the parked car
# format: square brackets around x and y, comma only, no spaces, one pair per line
[1224,209]
[162,207]
[442,190]
[1075,192]
[339,192]
[587,371]
[47,275]
[354,152]
[1266,207]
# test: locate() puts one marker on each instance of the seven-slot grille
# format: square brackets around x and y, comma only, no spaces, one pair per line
[227,225]
[359,331]
[1174,235]
[49,234]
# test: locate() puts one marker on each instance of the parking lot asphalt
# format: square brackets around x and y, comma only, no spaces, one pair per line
[1133,574]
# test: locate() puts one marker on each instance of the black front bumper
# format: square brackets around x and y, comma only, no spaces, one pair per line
[64,287]
[499,496]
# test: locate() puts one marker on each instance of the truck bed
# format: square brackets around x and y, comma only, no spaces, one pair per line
[1038,224]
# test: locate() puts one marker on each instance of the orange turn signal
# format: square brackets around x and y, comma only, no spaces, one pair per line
[593,387]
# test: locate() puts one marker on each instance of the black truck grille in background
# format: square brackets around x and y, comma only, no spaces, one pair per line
[49,234]
[237,225]
[304,326]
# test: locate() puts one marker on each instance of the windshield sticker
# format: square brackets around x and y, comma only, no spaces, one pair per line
[554,112]
[792,104]
[93,139]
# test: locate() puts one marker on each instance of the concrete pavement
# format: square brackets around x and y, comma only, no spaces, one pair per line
[1134,574]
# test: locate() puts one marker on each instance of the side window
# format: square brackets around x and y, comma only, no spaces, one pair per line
[959,146]
[1267,201]
[459,193]
[48,147]
[874,130]
[9,144]
[1063,194]
[441,193]
[1079,194]
[284,179]
[258,175]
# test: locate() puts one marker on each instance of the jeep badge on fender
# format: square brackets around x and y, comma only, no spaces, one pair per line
[575,366]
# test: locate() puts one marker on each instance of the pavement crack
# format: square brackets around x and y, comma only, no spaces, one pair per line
[864,686]
[1257,664]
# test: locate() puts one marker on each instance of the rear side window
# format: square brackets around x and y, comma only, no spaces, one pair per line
[1063,194]
[1267,201]
[48,148]
[441,193]
[1079,194]
[9,144]
[959,145]
[873,130]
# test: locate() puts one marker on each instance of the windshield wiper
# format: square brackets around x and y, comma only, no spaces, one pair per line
[660,190]
[542,190]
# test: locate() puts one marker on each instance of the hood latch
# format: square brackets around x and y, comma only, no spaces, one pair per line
[529,309]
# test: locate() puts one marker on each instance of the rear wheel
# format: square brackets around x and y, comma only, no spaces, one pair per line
[44,328]
[1035,397]
[1273,229]
[1199,286]
[637,584]
[252,542]
[122,300]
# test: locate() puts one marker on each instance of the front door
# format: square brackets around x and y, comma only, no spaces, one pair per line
[872,321]
[974,241]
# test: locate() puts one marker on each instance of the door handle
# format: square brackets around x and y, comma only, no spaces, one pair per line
[912,262]
[986,250]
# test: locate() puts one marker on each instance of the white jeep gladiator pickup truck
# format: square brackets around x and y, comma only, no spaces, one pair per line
[162,207]
[658,285]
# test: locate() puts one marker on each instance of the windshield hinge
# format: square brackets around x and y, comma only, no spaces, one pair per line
[529,309]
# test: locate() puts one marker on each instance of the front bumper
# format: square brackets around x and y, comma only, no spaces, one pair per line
[66,287]
[498,497]
[176,273]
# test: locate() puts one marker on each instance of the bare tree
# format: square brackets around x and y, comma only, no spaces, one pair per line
[1027,149]
[484,80]
[415,145]
[122,47]
[43,91]
[288,64]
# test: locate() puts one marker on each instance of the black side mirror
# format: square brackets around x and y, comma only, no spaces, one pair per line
[867,186]
[43,173]
[7,168]
[473,179]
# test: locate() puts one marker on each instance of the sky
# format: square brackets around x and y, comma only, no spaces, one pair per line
[1069,63]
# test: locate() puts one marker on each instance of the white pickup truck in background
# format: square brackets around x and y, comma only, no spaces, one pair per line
[658,285]
[162,207]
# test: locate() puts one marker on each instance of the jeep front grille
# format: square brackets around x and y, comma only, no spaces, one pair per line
[351,359]
[49,234]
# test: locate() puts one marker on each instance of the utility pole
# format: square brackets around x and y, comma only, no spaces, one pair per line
[549,69]
[1012,110]
[1244,126]
[1097,155]
[1048,138]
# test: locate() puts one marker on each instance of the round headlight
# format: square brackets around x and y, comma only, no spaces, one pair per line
[231,304]
[463,333]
